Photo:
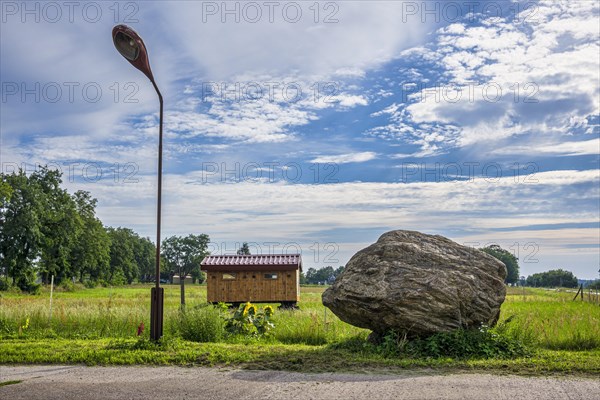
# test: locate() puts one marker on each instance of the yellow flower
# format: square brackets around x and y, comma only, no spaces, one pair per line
[26,324]
[247,308]
[268,311]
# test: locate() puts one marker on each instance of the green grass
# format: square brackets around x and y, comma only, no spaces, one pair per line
[552,320]
[256,355]
[6,383]
[99,326]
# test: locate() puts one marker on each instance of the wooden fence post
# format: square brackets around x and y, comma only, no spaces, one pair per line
[579,291]
[51,291]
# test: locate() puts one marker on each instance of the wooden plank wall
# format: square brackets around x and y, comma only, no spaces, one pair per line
[254,287]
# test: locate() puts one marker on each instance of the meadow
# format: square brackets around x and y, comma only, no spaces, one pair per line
[101,325]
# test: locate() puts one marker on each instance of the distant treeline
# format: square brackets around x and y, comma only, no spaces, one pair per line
[553,278]
[45,231]
[323,276]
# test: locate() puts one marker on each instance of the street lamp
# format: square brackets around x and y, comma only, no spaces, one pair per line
[131,46]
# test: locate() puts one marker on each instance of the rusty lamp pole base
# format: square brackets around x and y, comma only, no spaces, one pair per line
[156,313]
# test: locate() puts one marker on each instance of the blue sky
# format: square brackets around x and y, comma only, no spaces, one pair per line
[319,127]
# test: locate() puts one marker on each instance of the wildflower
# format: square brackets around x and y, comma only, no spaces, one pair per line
[26,324]
[268,311]
[140,328]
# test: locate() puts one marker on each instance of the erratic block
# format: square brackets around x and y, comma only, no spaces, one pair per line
[418,285]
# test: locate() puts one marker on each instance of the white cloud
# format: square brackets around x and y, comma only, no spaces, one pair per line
[345,158]
[351,101]
[365,35]
[256,122]
[256,108]
[285,212]
[350,72]
[182,49]
[504,79]
[586,147]
[285,209]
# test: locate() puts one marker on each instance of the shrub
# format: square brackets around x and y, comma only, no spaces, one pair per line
[118,278]
[5,326]
[67,286]
[90,284]
[29,287]
[469,343]
[26,282]
[4,285]
[461,344]
[202,324]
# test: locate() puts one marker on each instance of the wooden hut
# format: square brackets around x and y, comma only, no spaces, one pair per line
[256,278]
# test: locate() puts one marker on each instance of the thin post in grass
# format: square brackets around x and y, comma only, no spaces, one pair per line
[577,294]
[51,292]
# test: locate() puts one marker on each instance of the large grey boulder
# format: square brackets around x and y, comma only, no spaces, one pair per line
[418,285]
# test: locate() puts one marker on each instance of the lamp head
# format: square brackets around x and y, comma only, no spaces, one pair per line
[131,46]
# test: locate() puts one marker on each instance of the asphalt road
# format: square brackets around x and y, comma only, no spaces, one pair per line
[78,382]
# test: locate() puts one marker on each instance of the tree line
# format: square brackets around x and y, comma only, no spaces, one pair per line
[45,232]
[323,276]
[549,279]
[552,278]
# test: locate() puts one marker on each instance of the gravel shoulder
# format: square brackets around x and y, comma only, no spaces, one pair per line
[80,382]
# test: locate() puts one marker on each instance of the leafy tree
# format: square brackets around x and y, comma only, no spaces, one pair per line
[144,252]
[303,280]
[553,278]
[60,225]
[311,276]
[5,195]
[20,231]
[122,258]
[5,191]
[511,262]
[338,271]
[90,256]
[326,275]
[244,250]
[594,285]
[198,275]
[46,231]
[185,254]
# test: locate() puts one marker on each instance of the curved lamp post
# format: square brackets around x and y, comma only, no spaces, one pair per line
[131,46]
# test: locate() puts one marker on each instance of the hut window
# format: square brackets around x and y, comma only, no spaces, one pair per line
[270,276]
[229,277]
